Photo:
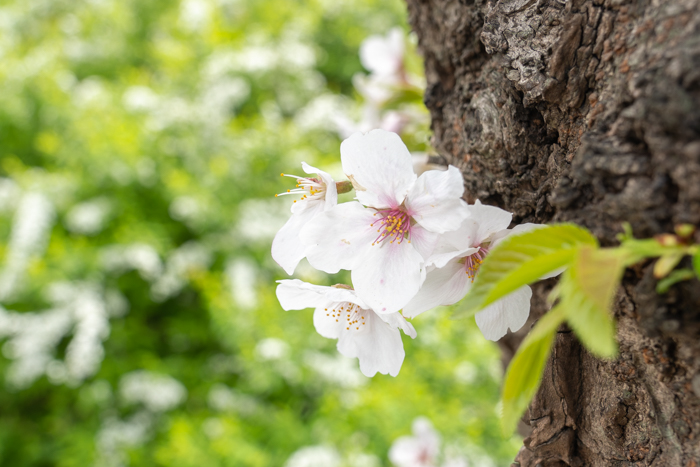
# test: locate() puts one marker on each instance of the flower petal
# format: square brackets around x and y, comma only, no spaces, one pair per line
[435,200]
[491,220]
[378,347]
[397,321]
[455,244]
[287,249]
[443,286]
[325,323]
[335,239]
[388,276]
[294,294]
[380,167]
[509,312]
[423,240]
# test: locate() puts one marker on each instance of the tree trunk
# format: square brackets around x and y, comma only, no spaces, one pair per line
[585,111]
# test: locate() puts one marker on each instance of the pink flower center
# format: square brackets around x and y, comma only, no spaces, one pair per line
[473,262]
[393,224]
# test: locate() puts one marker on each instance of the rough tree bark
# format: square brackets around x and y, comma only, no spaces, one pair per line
[585,111]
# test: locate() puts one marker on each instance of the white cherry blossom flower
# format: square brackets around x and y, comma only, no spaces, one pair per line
[318,195]
[340,314]
[455,263]
[385,244]
[420,450]
[383,56]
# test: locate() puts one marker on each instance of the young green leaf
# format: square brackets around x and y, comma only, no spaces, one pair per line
[525,370]
[676,276]
[666,263]
[696,264]
[587,291]
[522,259]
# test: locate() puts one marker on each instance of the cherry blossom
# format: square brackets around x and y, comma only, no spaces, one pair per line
[340,314]
[420,450]
[383,56]
[456,261]
[318,194]
[385,242]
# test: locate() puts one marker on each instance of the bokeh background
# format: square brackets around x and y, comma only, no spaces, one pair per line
[141,143]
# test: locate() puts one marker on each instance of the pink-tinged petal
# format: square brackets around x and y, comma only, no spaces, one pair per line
[443,286]
[377,346]
[434,201]
[490,219]
[380,167]
[397,321]
[423,241]
[441,259]
[388,276]
[455,244]
[335,239]
[294,294]
[331,189]
[509,312]
[287,249]
[326,323]
[464,237]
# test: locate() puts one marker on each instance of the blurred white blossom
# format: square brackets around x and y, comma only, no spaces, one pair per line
[184,208]
[336,369]
[9,194]
[32,337]
[242,280]
[31,226]
[190,256]
[272,348]
[88,218]
[420,450]
[466,372]
[314,456]
[140,99]
[224,399]
[157,392]
[139,256]
[115,436]
[260,219]
[194,14]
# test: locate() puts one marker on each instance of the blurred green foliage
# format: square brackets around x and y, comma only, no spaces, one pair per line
[140,147]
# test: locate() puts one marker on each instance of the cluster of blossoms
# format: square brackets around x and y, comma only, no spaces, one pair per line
[385,59]
[410,243]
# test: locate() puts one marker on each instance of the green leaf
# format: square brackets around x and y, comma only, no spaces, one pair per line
[666,263]
[523,259]
[525,370]
[696,264]
[587,291]
[676,276]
